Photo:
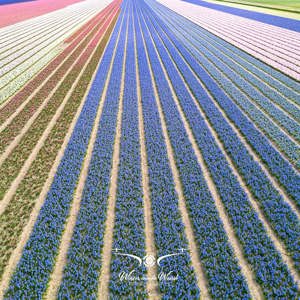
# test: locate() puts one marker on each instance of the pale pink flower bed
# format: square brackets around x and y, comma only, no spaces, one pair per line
[17,12]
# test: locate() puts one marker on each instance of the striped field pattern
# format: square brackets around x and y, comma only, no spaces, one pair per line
[148,149]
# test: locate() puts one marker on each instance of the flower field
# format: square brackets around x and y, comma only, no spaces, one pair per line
[148,149]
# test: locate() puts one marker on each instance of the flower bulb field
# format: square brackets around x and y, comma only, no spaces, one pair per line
[149,149]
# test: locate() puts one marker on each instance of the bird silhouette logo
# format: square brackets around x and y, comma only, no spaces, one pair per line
[149,260]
